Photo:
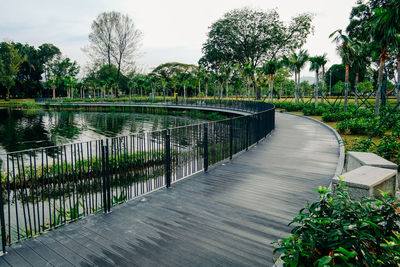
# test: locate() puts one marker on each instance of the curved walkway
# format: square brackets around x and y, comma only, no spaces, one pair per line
[228,216]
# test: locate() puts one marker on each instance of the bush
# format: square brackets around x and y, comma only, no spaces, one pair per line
[339,231]
[389,148]
[312,110]
[290,106]
[362,126]
[335,116]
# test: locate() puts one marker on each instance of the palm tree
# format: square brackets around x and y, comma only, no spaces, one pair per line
[324,60]
[346,51]
[226,71]
[248,71]
[200,76]
[269,69]
[295,63]
[385,30]
[316,63]
[361,61]
[184,78]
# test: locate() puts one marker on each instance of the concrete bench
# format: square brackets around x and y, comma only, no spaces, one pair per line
[358,159]
[367,181]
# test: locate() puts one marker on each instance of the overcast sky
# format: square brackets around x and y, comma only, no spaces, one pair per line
[174,30]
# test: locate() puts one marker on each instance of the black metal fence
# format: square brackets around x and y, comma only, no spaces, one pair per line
[42,189]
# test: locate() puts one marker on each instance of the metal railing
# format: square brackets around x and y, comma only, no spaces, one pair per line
[42,189]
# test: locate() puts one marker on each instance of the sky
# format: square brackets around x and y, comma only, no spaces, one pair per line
[173,30]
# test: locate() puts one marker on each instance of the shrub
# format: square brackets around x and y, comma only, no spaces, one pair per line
[312,110]
[362,126]
[389,148]
[363,145]
[339,231]
[335,116]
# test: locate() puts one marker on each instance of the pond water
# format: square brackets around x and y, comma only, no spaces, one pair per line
[27,129]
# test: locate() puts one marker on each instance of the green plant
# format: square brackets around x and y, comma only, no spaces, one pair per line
[335,116]
[119,199]
[339,231]
[389,148]
[363,126]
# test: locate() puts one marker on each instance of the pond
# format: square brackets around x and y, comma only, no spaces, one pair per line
[28,129]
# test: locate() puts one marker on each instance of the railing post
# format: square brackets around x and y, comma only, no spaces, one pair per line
[103,175]
[231,139]
[167,159]
[205,141]
[247,132]
[2,221]
[108,177]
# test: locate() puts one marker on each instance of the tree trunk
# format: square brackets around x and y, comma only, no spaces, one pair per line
[382,60]
[227,88]
[54,92]
[356,88]
[346,87]
[184,92]
[199,88]
[296,91]
[316,88]
[206,89]
[323,85]
[248,88]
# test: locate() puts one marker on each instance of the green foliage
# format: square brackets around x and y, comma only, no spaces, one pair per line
[335,116]
[339,231]
[389,148]
[224,38]
[312,110]
[363,126]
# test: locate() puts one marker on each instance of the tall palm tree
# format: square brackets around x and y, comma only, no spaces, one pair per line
[200,76]
[316,63]
[226,71]
[324,60]
[385,30]
[248,71]
[184,79]
[361,61]
[346,51]
[295,62]
[269,69]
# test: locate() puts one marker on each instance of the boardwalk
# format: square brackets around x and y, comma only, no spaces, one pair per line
[228,216]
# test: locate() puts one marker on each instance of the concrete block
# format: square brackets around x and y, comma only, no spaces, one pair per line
[367,181]
[358,159]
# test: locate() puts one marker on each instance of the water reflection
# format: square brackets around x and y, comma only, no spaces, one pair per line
[21,130]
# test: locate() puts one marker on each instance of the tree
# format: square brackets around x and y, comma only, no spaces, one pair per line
[385,30]
[269,69]
[10,63]
[360,62]
[346,51]
[114,39]
[295,62]
[316,63]
[61,69]
[47,53]
[248,35]
[323,62]
[184,77]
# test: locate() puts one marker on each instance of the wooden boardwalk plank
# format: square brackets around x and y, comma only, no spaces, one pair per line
[228,216]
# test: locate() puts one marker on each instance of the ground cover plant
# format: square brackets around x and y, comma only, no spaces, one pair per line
[340,231]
